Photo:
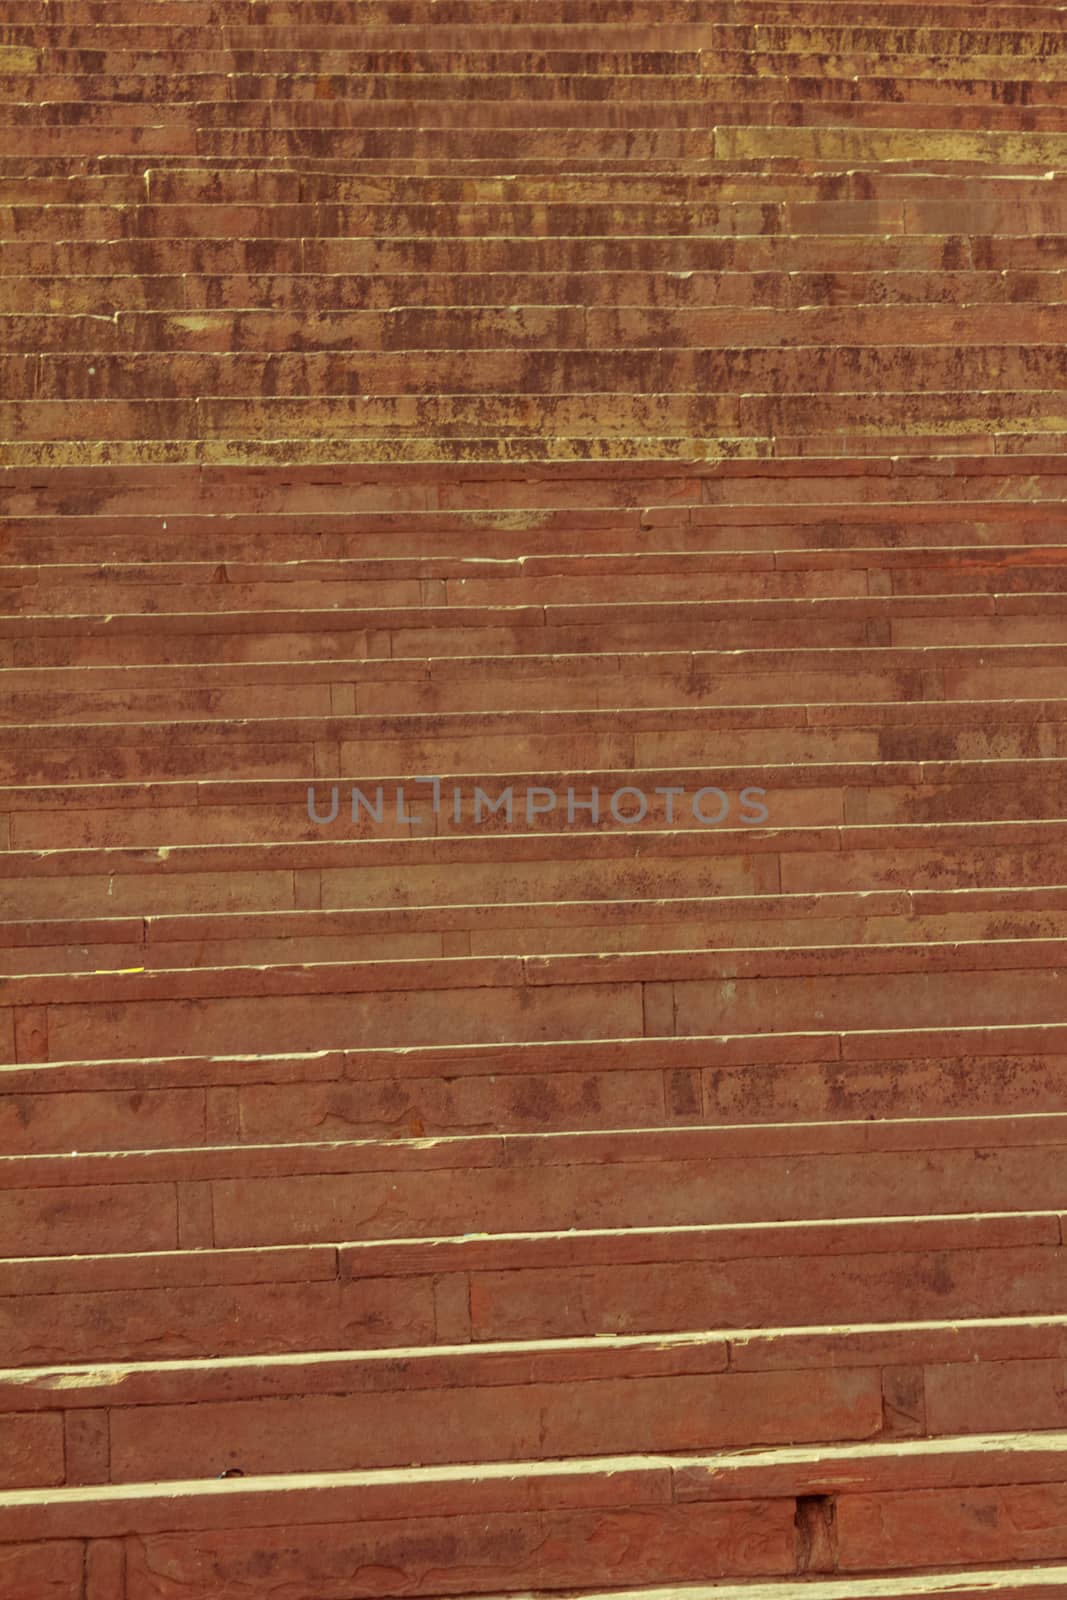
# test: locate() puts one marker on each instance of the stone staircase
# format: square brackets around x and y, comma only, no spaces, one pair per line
[532,595]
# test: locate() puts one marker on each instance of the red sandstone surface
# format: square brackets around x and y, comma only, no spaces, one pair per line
[660,396]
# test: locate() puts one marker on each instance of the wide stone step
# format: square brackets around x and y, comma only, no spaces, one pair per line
[521,428]
[495,999]
[632,103]
[519,328]
[558,1086]
[535,144]
[961,24]
[676,575]
[705,43]
[507,867]
[884,49]
[467,631]
[678,382]
[817,255]
[527,1401]
[538,741]
[538,144]
[664,492]
[351,1411]
[339,212]
[902,1505]
[976,437]
[383,1294]
[729,84]
[273,13]
[199,181]
[38,165]
[1003,14]
[529,681]
[345,216]
[388,686]
[878,917]
[496,1187]
[508,533]
[529,423]
[805,421]
[276,811]
[108,293]
[740,84]
[685,135]
[638,163]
